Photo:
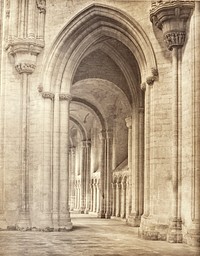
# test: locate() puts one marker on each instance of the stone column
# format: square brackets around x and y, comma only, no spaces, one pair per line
[146,212]
[123,201]
[72,178]
[141,163]
[128,121]
[118,199]
[194,229]
[98,198]
[83,175]
[31,19]
[46,218]
[171,18]
[133,218]
[102,173]
[24,218]
[64,216]
[56,149]
[14,6]
[41,5]
[108,173]
[92,197]
[88,158]
[114,199]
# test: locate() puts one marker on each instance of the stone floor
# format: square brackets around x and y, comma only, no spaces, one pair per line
[90,237]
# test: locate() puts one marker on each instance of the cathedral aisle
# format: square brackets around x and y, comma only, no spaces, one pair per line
[89,237]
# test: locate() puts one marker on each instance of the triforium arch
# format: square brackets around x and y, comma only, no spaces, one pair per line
[114,125]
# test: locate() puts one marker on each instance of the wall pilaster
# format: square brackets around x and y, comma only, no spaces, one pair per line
[171,18]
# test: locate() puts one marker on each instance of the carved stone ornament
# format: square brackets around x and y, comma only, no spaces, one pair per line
[65,96]
[41,5]
[48,95]
[171,17]
[27,68]
[152,78]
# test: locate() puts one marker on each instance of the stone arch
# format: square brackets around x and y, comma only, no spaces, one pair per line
[84,30]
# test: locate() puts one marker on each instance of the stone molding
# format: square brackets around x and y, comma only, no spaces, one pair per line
[171,18]
[48,95]
[65,96]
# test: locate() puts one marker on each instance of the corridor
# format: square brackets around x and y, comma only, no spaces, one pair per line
[90,237]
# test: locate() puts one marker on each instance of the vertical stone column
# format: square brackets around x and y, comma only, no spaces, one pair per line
[128,121]
[114,199]
[102,173]
[118,199]
[88,175]
[83,175]
[64,216]
[31,19]
[123,201]
[171,18]
[147,151]
[98,198]
[133,218]
[41,5]
[194,229]
[24,218]
[92,197]
[72,178]
[13,28]
[141,162]
[108,172]
[46,218]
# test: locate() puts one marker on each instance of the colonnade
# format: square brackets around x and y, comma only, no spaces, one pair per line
[120,193]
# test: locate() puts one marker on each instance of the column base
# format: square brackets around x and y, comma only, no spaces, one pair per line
[174,234]
[107,215]
[82,210]
[65,223]
[46,223]
[193,235]
[3,223]
[134,220]
[101,215]
[24,223]
[152,229]
[87,211]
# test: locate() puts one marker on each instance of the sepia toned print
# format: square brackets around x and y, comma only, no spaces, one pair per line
[100,127]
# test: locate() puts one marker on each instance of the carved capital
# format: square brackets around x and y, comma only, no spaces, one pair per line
[27,68]
[48,95]
[171,17]
[65,96]
[41,5]
[24,52]
[174,39]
